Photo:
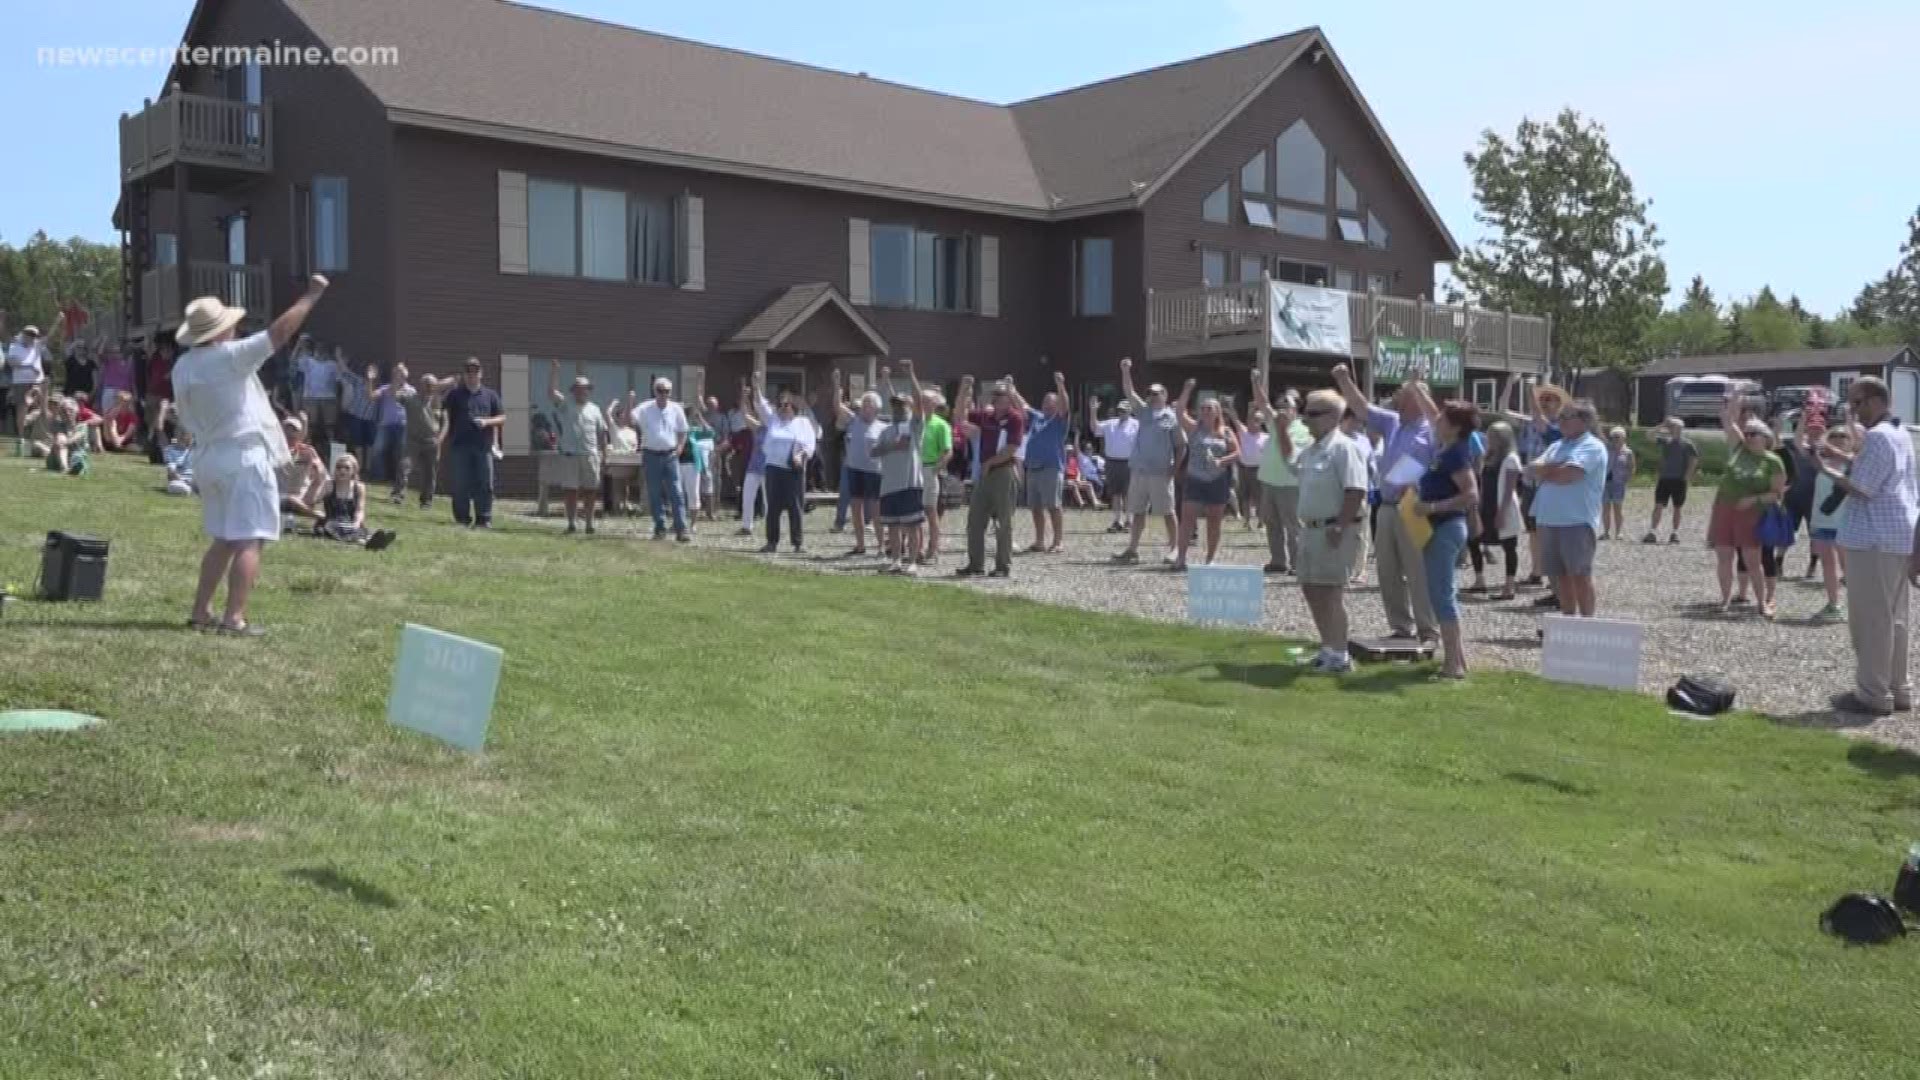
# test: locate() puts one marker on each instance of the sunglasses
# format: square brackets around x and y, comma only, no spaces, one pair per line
[1313,413]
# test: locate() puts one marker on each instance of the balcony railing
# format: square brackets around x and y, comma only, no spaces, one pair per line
[234,283]
[195,129]
[1230,318]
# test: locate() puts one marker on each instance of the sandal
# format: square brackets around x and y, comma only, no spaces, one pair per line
[201,626]
[243,630]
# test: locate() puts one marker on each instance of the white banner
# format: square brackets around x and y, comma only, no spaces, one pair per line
[1308,319]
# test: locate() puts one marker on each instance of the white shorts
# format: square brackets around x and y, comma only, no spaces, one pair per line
[239,495]
[690,485]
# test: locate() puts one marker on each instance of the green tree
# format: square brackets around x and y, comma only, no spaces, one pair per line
[1692,329]
[1571,240]
[1770,326]
[39,276]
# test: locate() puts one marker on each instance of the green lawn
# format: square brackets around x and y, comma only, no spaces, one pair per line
[741,822]
[1646,454]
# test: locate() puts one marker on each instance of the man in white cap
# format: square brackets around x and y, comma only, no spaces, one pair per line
[663,434]
[237,446]
[26,368]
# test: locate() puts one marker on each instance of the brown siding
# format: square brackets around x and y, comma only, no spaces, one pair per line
[325,123]
[760,238]
[1315,92]
[1089,349]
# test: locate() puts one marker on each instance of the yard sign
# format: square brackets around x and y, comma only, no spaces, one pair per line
[1225,594]
[444,685]
[1593,652]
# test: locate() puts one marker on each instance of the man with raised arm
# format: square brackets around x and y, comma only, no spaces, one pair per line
[1000,428]
[1117,434]
[1156,450]
[1046,462]
[237,445]
[1408,449]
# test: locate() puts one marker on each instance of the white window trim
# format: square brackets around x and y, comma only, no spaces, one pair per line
[1492,395]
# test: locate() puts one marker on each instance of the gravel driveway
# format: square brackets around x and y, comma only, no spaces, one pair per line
[1787,669]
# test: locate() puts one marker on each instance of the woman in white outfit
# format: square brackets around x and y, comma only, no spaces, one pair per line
[237,446]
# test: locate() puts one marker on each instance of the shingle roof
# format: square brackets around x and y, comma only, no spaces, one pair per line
[1093,143]
[792,308]
[496,63]
[1868,356]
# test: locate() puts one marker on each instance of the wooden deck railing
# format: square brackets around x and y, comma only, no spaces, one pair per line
[195,129]
[1204,318]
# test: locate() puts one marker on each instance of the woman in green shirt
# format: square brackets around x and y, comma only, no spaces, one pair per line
[1754,480]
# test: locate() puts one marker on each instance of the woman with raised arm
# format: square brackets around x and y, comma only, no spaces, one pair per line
[753,480]
[1448,492]
[903,508]
[790,444]
[1212,450]
[1754,479]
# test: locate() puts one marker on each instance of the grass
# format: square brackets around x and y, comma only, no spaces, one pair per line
[1646,454]
[741,822]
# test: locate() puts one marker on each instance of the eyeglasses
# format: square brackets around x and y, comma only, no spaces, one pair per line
[1315,413]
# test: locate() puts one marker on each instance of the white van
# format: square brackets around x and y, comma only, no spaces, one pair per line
[1697,400]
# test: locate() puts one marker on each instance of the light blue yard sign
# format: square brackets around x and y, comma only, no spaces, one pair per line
[443,686]
[1225,594]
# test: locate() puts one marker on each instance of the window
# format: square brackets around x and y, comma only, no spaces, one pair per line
[1300,165]
[1376,233]
[1213,267]
[1346,280]
[1258,213]
[1253,175]
[166,249]
[1251,267]
[1300,273]
[1352,231]
[1093,276]
[1376,283]
[553,228]
[1311,224]
[1215,206]
[1484,391]
[1344,196]
[329,223]
[603,234]
[923,270]
[650,240]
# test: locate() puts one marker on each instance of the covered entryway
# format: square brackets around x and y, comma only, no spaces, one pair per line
[803,334]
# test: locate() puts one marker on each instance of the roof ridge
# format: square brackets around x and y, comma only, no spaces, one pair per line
[1171,64]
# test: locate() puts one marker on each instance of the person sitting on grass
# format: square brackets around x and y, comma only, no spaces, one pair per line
[1613,512]
[903,508]
[177,455]
[1082,493]
[301,477]
[120,427]
[66,438]
[90,422]
[343,503]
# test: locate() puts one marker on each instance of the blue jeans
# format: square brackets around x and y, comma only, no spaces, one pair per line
[663,479]
[846,498]
[1440,558]
[472,469]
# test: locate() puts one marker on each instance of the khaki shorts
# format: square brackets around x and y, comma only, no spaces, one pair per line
[1150,494]
[1322,564]
[930,493]
[580,472]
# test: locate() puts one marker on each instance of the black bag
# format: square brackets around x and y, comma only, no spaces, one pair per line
[1701,695]
[1863,919]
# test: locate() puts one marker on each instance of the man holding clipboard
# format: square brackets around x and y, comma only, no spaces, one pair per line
[1407,450]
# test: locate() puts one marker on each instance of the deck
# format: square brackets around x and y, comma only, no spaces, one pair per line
[1228,320]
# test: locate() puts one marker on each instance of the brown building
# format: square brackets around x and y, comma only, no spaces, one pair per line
[633,204]
[1642,398]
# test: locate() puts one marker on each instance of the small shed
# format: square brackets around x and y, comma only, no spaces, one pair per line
[1833,369]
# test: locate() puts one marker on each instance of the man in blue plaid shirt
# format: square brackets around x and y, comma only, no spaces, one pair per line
[1877,532]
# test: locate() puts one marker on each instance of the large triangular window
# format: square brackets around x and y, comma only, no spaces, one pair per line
[1253,175]
[1344,194]
[1214,207]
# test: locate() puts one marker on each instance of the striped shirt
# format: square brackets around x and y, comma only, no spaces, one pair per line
[1883,519]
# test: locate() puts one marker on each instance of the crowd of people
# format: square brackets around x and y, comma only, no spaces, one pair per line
[1431,486]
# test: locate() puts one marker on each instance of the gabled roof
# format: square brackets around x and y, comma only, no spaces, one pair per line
[1866,356]
[789,311]
[505,70]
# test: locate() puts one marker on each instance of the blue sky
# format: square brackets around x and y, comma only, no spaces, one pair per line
[1780,143]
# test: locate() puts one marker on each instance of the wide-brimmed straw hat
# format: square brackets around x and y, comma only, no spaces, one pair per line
[207,318]
[581,382]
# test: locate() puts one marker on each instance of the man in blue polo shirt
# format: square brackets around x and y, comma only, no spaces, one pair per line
[1405,436]
[1572,475]
[1046,462]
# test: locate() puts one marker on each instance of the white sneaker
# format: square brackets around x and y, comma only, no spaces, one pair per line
[1333,665]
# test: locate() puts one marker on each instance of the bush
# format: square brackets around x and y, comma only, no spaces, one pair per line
[1646,453]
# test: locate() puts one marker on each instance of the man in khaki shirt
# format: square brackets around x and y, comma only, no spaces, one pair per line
[1333,487]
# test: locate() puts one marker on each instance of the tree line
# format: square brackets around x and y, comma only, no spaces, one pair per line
[40,277]
[1572,238]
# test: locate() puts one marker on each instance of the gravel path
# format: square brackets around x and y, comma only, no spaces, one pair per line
[1787,669]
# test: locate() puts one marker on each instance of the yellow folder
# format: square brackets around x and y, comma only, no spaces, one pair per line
[1419,529]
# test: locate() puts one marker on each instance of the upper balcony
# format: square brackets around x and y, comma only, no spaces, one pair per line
[207,134]
[245,285]
[1221,319]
